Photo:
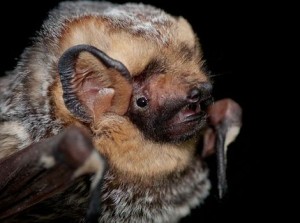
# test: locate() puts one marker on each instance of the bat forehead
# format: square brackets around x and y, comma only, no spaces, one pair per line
[174,42]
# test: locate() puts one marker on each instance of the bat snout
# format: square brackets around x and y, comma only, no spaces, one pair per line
[194,95]
[199,98]
[191,116]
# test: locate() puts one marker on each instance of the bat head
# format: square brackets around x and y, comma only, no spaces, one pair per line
[168,91]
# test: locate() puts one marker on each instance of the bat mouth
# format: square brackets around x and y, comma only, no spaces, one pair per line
[188,120]
[191,112]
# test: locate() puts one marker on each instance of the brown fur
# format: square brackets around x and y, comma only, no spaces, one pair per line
[134,156]
[127,48]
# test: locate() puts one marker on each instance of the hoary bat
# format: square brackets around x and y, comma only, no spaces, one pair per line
[132,77]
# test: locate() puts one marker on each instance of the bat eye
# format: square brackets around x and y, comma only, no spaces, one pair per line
[142,102]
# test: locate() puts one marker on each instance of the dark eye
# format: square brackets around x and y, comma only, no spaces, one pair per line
[142,102]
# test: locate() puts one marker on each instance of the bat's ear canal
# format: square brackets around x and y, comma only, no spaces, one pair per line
[93,83]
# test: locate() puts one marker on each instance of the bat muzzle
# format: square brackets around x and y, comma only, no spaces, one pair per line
[192,112]
[191,116]
[195,105]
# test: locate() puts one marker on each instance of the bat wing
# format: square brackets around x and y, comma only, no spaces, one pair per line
[45,169]
[225,120]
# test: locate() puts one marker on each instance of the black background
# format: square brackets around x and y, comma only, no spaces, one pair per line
[229,37]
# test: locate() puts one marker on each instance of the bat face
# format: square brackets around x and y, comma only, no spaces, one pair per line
[170,90]
[169,106]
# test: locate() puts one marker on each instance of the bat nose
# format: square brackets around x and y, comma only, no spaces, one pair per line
[198,93]
[194,95]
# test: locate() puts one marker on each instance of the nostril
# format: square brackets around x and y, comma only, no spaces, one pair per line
[194,95]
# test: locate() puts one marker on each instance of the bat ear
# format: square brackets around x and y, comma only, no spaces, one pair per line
[93,83]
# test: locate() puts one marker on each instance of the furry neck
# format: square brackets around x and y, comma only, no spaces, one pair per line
[164,200]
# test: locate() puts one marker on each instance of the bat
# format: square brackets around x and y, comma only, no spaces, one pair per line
[133,76]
